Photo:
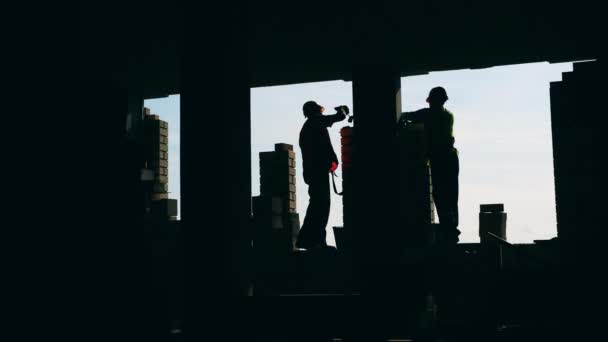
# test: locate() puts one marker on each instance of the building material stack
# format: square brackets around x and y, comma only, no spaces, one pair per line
[275,218]
[341,234]
[414,185]
[492,219]
[155,140]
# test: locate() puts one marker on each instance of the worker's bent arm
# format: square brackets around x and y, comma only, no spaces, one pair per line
[329,120]
[413,117]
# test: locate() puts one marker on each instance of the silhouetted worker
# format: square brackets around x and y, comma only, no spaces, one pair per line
[438,126]
[319,160]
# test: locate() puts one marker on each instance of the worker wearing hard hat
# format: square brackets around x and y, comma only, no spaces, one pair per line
[443,157]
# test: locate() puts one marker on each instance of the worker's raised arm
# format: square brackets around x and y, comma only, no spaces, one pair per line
[329,120]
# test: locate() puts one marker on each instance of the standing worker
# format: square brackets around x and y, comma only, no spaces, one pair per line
[438,126]
[319,160]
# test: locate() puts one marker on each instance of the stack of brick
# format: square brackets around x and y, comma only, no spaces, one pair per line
[274,211]
[155,140]
[346,142]
[416,213]
[278,175]
[342,234]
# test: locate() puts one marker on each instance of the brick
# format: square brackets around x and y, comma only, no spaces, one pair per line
[164,208]
[163,163]
[292,204]
[285,154]
[292,180]
[292,171]
[163,147]
[492,208]
[162,179]
[283,147]
[266,156]
[277,222]
[159,195]
[147,175]
[277,205]
[164,124]
[158,187]
[164,132]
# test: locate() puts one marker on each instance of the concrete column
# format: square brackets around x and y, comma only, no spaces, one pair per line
[215,174]
[579,142]
[376,104]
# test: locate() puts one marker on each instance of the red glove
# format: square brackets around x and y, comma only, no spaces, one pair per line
[334,166]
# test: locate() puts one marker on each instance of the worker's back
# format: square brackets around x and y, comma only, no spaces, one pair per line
[317,151]
[438,125]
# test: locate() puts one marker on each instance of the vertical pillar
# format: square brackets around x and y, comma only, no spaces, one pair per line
[110,211]
[377,103]
[579,128]
[215,172]
[392,297]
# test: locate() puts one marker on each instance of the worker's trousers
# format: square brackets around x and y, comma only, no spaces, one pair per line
[444,170]
[317,213]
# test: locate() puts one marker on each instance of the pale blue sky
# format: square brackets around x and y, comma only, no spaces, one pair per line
[502,130]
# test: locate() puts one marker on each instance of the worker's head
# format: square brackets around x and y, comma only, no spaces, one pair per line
[311,108]
[437,97]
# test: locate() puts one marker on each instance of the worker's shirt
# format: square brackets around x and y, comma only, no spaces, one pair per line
[438,126]
[317,151]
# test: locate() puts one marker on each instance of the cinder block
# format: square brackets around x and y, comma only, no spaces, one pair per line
[277,205]
[283,147]
[292,180]
[292,204]
[277,222]
[159,195]
[163,147]
[147,175]
[164,132]
[294,222]
[158,187]
[164,124]
[162,179]
[163,163]
[492,208]
[164,208]
[266,156]
[292,171]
